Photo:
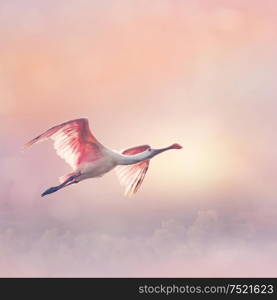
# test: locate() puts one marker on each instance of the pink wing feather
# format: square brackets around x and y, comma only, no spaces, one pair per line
[73,142]
[132,176]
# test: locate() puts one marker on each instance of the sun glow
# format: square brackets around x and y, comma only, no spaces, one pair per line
[202,163]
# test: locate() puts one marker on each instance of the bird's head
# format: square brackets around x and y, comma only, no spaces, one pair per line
[152,152]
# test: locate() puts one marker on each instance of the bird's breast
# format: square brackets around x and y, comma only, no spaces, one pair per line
[96,168]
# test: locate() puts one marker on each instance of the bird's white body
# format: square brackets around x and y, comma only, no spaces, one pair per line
[96,168]
[88,158]
[109,160]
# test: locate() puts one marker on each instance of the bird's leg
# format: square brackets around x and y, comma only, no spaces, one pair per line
[71,182]
[67,182]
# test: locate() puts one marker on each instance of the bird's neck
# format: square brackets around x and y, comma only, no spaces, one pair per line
[132,159]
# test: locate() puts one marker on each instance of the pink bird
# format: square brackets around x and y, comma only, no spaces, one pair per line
[88,158]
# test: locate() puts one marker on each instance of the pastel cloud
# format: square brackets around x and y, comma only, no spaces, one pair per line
[209,246]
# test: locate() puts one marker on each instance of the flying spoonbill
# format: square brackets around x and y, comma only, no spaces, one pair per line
[88,158]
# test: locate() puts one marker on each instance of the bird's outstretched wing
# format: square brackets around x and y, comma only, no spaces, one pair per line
[73,142]
[131,176]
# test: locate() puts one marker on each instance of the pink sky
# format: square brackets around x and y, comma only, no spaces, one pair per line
[201,74]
